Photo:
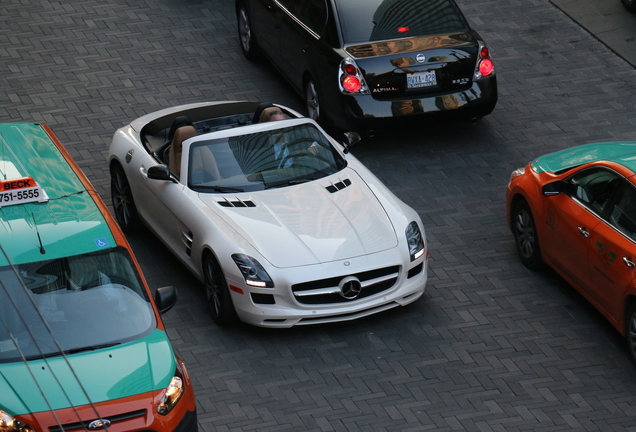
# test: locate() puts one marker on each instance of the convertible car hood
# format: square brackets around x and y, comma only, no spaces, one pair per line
[320,221]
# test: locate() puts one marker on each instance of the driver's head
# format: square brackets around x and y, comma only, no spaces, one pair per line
[272,114]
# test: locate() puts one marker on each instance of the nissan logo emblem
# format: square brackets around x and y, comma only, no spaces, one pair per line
[99,424]
[350,287]
[421,58]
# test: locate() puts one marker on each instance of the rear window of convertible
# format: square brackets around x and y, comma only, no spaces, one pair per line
[376,20]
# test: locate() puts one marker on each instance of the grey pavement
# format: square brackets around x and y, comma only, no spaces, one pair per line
[491,346]
[608,21]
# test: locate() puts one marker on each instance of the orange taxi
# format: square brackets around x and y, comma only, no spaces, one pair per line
[575,210]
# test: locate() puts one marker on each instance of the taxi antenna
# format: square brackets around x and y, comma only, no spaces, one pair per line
[37,231]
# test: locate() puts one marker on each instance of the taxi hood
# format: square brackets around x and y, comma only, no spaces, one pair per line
[125,370]
[335,218]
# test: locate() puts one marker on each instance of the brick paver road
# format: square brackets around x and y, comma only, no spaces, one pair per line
[490,347]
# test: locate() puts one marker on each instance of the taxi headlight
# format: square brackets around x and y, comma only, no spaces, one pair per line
[253,272]
[517,173]
[415,241]
[171,396]
[8,423]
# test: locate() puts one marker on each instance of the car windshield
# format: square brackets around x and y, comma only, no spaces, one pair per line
[262,160]
[70,305]
[376,20]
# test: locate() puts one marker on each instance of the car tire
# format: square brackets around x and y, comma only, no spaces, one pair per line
[525,233]
[123,203]
[217,292]
[246,36]
[630,5]
[630,330]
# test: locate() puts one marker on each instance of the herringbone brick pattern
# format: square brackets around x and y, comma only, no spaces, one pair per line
[490,347]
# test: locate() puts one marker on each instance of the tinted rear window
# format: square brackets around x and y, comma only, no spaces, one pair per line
[375,20]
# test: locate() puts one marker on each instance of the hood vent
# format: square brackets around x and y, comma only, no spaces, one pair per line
[238,203]
[335,187]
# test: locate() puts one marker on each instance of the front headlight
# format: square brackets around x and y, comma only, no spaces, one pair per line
[516,173]
[172,394]
[8,423]
[253,273]
[415,241]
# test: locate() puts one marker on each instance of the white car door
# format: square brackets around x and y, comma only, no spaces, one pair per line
[159,202]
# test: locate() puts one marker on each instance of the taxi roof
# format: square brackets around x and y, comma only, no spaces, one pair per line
[68,223]
[623,153]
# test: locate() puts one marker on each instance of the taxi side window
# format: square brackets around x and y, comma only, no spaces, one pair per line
[594,188]
[623,215]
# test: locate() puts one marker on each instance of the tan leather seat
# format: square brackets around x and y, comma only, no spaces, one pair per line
[176,147]
[204,165]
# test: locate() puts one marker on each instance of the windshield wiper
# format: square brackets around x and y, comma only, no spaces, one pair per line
[91,348]
[292,182]
[220,188]
[72,351]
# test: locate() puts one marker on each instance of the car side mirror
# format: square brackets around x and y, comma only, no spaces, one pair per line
[159,172]
[554,188]
[165,298]
[350,139]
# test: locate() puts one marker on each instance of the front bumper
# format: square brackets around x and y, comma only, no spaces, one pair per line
[132,413]
[284,307]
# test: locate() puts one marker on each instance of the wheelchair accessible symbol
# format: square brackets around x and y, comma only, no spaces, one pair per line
[101,242]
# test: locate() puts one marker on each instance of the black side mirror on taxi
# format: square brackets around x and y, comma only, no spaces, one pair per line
[165,298]
[554,188]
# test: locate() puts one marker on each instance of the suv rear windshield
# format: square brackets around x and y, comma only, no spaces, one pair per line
[71,304]
[376,20]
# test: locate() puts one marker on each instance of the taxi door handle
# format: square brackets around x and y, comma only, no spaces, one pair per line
[629,263]
[583,232]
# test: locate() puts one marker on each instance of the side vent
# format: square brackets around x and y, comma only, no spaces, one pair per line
[335,187]
[239,203]
[186,238]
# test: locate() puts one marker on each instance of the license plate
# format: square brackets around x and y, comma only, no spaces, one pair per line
[21,191]
[421,79]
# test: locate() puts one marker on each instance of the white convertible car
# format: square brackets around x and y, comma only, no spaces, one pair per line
[282,225]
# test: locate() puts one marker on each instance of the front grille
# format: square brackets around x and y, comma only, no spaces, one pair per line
[327,291]
[84,425]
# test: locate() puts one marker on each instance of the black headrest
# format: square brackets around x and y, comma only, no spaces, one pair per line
[177,123]
[260,109]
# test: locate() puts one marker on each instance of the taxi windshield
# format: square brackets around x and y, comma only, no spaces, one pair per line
[71,304]
[262,160]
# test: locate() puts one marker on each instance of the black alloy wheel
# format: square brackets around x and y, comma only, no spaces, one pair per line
[123,203]
[630,5]
[217,292]
[630,331]
[525,233]
[248,43]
